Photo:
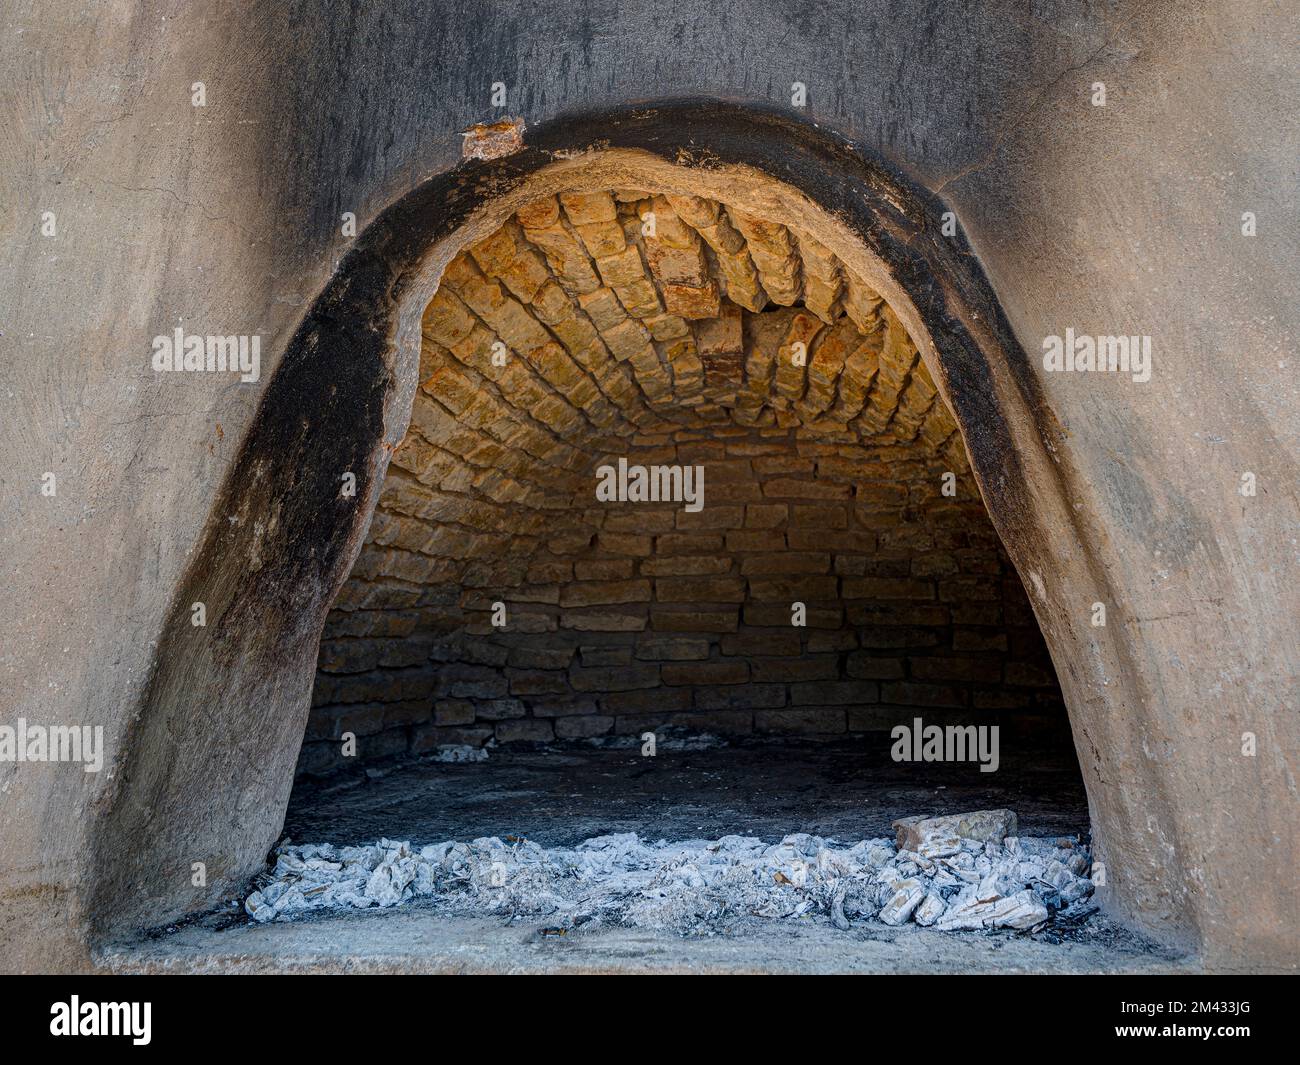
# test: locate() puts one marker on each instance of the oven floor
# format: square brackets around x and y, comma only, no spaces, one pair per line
[410,939]
[561,796]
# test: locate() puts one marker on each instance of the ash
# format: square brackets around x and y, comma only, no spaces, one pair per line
[459,752]
[959,872]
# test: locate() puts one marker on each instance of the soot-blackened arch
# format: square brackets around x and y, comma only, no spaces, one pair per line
[209,760]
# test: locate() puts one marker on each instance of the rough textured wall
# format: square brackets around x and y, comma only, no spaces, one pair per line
[625,617]
[1081,216]
[678,332]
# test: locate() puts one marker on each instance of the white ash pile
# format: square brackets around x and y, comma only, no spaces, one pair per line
[965,871]
[972,871]
[459,752]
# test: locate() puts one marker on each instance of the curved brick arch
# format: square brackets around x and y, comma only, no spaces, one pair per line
[210,755]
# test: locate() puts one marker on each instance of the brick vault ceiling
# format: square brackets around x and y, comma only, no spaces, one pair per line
[625,313]
[577,333]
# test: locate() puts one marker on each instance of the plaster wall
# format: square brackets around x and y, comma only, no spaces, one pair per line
[226,218]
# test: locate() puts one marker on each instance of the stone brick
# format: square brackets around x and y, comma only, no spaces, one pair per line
[772,251]
[720,335]
[640,520]
[623,268]
[550,572]
[710,621]
[603,569]
[628,340]
[534,657]
[605,654]
[548,593]
[529,730]
[563,706]
[602,621]
[695,302]
[581,728]
[537,682]
[880,495]
[685,566]
[786,562]
[913,694]
[453,712]
[781,670]
[789,488]
[904,538]
[597,593]
[640,724]
[820,642]
[740,697]
[498,709]
[1000,699]
[331,721]
[539,213]
[603,308]
[735,671]
[841,692]
[783,464]
[791,371]
[624,544]
[934,566]
[614,678]
[984,614]
[472,682]
[766,643]
[886,588]
[793,589]
[987,670]
[978,640]
[819,516]
[842,541]
[861,303]
[586,207]
[967,589]
[685,266]
[384,744]
[711,517]
[875,718]
[658,700]
[447,320]
[550,303]
[699,589]
[695,210]
[652,648]
[863,666]
[828,720]
[897,613]
[774,615]
[603,239]
[755,540]
[349,656]
[765,515]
